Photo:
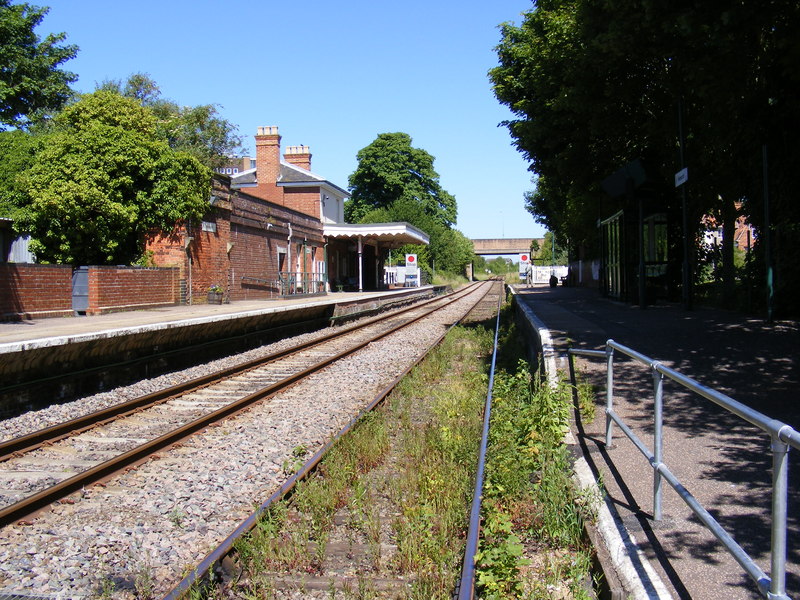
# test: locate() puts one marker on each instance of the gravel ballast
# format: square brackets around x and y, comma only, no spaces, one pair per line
[139,533]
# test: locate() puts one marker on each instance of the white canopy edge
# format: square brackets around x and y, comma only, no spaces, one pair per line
[397,234]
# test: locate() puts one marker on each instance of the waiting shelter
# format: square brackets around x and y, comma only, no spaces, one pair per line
[356,252]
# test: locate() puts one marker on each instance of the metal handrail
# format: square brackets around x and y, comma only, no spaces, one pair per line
[782,435]
[302,283]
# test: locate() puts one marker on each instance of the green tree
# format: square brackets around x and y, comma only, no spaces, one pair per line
[396,182]
[545,254]
[31,82]
[500,265]
[196,130]
[391,170]
[18,149]
[594,86]
[103,178]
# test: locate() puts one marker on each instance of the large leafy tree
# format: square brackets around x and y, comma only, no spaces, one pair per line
[196,130]
[31,81]
[396,182]
[390,169]
[595,85]
[103,178]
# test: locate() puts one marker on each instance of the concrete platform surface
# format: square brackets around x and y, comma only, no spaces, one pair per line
[722,460]
[68,327]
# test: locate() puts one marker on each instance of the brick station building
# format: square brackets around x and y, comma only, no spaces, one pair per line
[277,229]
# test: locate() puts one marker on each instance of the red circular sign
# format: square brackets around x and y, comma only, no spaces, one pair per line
[524,258]
[411,259]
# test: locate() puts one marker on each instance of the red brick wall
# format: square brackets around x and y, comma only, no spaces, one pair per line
[30,291]
[131,288]
[242,254]
[210,264]
[304,200]
[258,229]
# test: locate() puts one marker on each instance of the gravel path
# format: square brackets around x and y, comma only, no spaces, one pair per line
[138,534]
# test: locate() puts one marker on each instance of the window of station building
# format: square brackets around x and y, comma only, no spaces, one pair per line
[209,226]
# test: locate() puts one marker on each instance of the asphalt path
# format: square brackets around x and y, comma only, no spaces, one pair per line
[722,460]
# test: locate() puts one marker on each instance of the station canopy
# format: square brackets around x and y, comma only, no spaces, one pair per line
[387,235]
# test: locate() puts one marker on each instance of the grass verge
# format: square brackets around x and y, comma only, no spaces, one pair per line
[533,544]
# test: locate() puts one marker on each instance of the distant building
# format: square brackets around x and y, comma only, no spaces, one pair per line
[277,229]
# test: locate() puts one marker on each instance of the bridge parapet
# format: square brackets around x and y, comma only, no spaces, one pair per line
[502,245]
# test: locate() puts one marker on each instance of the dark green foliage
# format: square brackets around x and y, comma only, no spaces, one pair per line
[17,149]
[395,182]
[391,170]
[102,179]
[594,86]
[31,81]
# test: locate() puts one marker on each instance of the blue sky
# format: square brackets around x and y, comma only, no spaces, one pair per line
[330,75]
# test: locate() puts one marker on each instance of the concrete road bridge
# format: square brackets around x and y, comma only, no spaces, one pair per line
[503,246]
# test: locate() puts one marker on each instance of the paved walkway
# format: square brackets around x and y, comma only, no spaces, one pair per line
[17,331]
[720,459]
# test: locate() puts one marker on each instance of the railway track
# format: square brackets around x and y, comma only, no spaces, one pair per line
[358,555]
[102,445]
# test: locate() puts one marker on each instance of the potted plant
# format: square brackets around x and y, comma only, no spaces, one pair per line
[215,293]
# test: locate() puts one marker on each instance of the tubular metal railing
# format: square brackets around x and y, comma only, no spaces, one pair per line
[305,284]
[782,436]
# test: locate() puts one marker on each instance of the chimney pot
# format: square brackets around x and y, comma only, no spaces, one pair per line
[268,130]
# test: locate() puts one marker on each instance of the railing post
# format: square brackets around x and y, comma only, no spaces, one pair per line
[658,438]
[609,393]
[780,478]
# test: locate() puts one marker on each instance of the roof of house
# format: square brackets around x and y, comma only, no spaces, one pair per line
[290,176]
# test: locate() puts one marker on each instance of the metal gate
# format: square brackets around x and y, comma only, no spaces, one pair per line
[80,290]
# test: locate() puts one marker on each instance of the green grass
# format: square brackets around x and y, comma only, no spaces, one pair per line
[429,430]
[533,543]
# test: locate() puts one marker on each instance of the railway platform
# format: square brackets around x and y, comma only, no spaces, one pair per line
[721,460]
[50,351]
[28,331]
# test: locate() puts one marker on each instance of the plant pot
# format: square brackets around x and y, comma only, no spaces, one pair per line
[215,297]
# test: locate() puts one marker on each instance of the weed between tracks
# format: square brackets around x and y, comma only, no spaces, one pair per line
[393,496]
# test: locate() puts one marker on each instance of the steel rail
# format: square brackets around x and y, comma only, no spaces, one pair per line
[466,586]
[36,502]
[227,545]
[17,446]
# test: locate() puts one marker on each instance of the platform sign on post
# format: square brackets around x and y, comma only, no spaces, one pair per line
[412,271]
[524,262]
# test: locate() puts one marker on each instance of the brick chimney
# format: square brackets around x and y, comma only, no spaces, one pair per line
[268,164]
[299,156]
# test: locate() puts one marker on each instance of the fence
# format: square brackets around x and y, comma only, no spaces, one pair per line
[302,284]
[783,436]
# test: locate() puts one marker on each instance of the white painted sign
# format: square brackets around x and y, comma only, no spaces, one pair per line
[412,271]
